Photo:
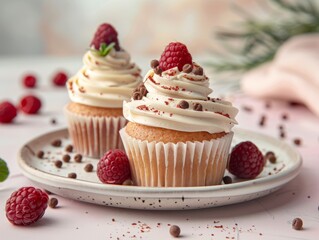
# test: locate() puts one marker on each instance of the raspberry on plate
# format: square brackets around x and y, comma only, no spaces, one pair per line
[29,81]
[60,78]
[246,160]
[30,104]
[26,206]
[7,112]
[114,167]
[175,55]
[105,34]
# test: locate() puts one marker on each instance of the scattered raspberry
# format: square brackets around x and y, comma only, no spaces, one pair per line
[7,112]
[105,34]
[59,79]
[246,161]
[29,81]
[30,104]
[26,206]
[175,54]
[114,167]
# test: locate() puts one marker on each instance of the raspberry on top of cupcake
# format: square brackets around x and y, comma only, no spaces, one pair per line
[174,95]
[108,76]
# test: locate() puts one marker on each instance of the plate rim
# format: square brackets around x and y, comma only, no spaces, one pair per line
[120,190]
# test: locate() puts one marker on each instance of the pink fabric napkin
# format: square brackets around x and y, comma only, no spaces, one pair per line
[293,74]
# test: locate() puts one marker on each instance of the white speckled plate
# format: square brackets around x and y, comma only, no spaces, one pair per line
[86,187]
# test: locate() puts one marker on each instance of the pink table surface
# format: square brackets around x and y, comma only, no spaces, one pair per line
[267,218]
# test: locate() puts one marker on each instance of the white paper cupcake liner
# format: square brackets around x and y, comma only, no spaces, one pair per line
[177,165]
[93,136]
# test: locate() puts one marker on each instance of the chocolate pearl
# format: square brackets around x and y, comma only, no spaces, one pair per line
[154,63]
[88,167]
[72,175]
[78,158]
[69,148]
[66,158]
[227,180]
[271,157]
[297,141]
[198,107]
[40,154]
[183,104]
[56,143]
[175,231]
[137,95]
[158,70]
[187,68]
[53,202]
[198,71]
[58,163]
[297,224]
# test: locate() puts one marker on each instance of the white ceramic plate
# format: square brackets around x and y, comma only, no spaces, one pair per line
[87,187]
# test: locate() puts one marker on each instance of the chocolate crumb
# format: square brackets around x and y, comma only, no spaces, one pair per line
[175,231]
[187,68]
[268,105]
[199,71]
[66,158]
[247,109]
[183,104]
[297,224]
[56,143]
[284,116]
[72,175]
[53,202]
[88,167]
[227,180]
[262,120]
[58,163]
[158,70]
[69,148]
[281,127]
[271,157]
[282,134]
[154,63]
[53,121]
[40,154]
[297,141]
[78,158]
[198,107]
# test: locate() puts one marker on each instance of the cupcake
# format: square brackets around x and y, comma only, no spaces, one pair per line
[177,136]
[97,92]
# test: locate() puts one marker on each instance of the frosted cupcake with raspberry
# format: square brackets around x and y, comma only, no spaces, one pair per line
[177,135]
[97,92]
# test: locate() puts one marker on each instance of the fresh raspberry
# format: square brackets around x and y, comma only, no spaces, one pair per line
[7,112]
[175,54]
[26,206]
[105,34]
[30,104]
[246,161]
[114,167]
[60,78]
[29,81]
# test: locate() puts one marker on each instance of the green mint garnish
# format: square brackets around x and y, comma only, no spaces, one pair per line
[105,49]
[4,170]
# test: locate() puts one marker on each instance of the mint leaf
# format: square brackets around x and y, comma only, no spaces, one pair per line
[4,170]
[105,49]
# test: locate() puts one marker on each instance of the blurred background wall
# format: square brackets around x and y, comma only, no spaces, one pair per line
[65,28]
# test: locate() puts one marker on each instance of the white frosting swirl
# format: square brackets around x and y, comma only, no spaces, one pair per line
[161,106]
[104,81]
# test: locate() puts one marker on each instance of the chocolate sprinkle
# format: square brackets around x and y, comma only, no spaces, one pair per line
[175,231]
[88,167]
[297,224]
[227,180]
[78,158]
[187,68]
[154,63]
[40,154]
[183,104]
[66,158]
[56,143]
[198,107]
[69,148]
[72,175]
[262,120]
[199,71]
[58,163]
[53,202]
